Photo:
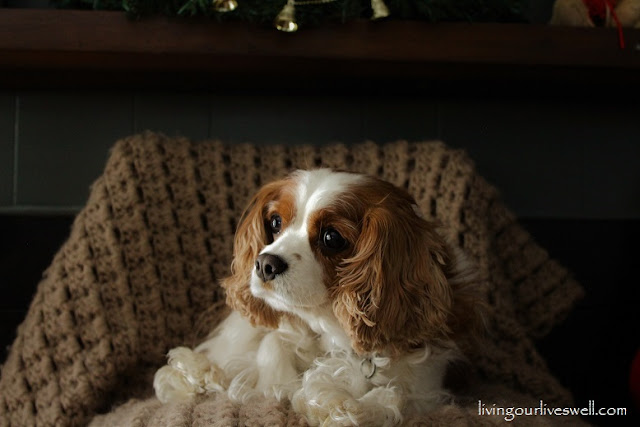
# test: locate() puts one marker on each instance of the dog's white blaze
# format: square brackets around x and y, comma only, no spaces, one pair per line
[319,188]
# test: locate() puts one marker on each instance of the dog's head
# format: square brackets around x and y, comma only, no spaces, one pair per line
[356,244]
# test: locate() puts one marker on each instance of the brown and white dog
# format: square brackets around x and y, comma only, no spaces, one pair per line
[346,302]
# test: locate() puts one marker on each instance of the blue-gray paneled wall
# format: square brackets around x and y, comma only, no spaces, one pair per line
[548,158]
[62,140]
[7,144]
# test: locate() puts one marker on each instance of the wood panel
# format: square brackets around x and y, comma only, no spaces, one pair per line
[66,48]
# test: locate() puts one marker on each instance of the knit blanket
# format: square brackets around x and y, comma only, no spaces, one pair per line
[139,275]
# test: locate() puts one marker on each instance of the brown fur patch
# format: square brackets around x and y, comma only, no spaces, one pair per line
[343,219]
[390,289]
[251,237]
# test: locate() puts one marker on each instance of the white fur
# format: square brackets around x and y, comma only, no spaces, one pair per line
[309,362]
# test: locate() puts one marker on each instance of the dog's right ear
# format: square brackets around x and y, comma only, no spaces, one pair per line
[251,237]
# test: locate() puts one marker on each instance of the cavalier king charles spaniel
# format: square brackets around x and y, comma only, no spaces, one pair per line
[346,302]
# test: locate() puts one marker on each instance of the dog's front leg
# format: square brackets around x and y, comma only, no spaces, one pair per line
[207,369]
[276,363]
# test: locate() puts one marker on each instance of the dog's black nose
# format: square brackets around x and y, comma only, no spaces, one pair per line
[268,266]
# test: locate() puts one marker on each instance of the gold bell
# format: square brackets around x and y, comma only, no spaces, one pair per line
[225,5]
[380,9]
[286,19]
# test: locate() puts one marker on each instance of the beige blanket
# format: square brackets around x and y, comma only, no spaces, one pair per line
[139,275]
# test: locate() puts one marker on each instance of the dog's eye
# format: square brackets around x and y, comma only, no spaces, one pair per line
[275,223]
[332,240]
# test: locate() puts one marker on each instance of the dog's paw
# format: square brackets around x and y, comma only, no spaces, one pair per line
[197,369]
[187,374]
[378,407]
[345,413]
[336,409]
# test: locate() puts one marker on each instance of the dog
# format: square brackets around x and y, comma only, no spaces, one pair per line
[346,302]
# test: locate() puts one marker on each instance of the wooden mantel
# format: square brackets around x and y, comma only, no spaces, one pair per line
[54,48]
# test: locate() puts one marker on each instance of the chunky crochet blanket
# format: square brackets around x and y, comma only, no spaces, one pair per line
[139,275]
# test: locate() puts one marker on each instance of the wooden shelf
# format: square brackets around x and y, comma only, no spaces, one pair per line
[60,48]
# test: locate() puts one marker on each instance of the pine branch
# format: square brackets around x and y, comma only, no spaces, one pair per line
[264,11]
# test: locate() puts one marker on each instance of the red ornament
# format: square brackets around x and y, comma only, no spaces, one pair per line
[598,11]
[598,8]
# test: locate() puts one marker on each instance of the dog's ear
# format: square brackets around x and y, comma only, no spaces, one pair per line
[394,293]
[251,237]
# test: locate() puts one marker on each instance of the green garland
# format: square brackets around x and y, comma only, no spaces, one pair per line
[264,11]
